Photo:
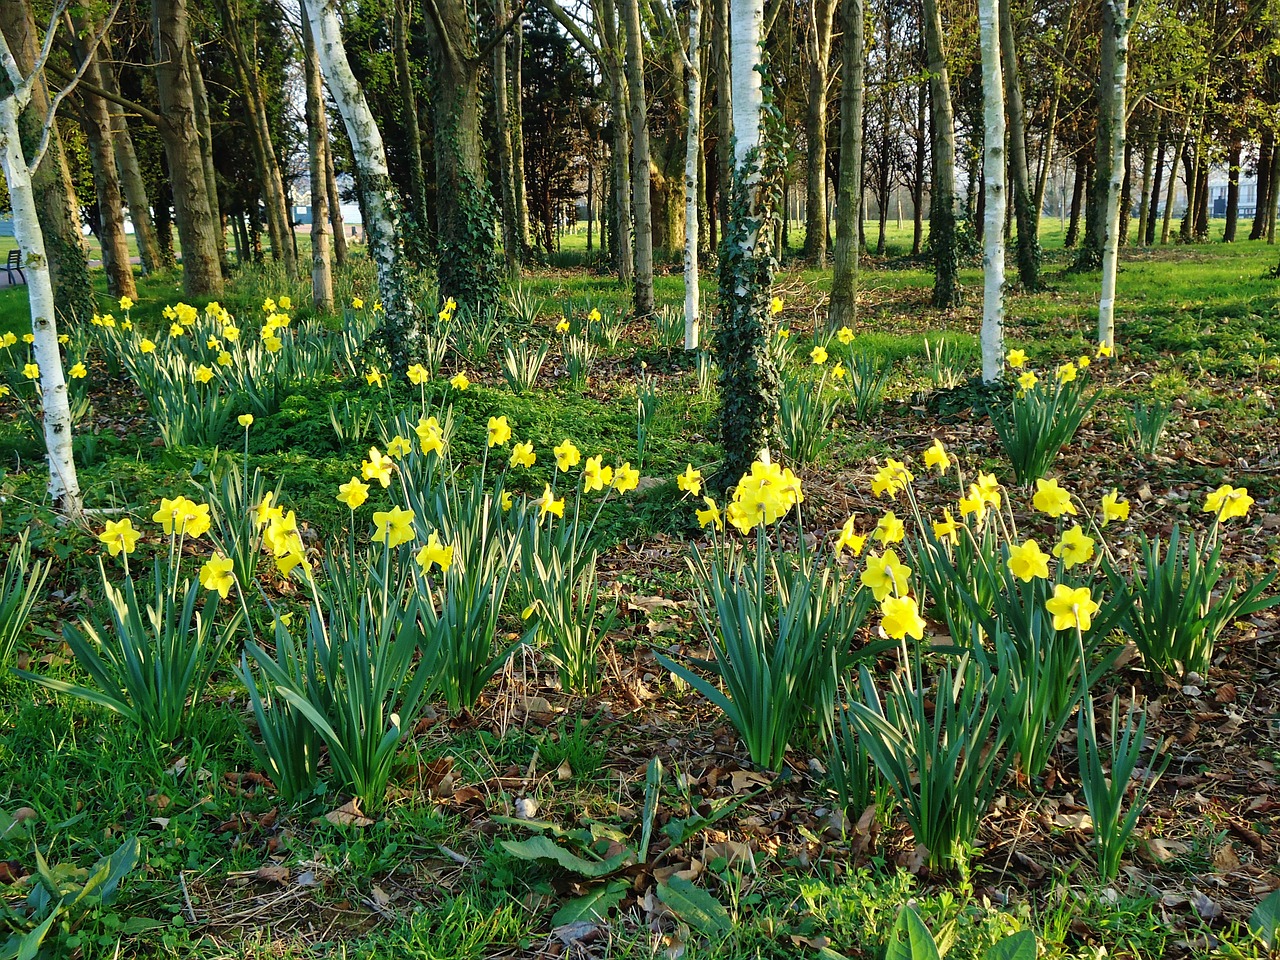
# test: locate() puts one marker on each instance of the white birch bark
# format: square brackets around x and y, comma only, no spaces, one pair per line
[746,28]
[692,141]
[1121,22]
[367,149]
[993,185]
[64,486]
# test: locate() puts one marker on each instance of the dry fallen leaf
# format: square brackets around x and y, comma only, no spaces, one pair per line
[348,815]
[273,873]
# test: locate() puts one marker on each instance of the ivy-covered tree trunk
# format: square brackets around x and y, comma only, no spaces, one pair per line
[640,160]
[843,308]
[317,146]
[942,211]
[468,267]
[748,377]
[1026,214]
[400,333]
[197,224]
[993,186]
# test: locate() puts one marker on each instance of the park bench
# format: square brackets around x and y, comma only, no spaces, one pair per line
[15,263]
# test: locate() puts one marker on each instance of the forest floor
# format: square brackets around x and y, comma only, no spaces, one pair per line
[227,870]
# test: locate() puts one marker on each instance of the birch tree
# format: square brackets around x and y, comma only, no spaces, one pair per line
[1117,22]
[693,140]
[19,171]
[993,185]
[400,333]
[748,378]
[317,147]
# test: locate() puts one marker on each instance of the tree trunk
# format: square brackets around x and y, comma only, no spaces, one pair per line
[333,197]
[164,216]
[64,487]
[400,331]
[506,175]
[1233,191]
[205,129]
[818,46]
[724,110]
[1171,189]
[843,308]
[1051,124]
[517,136]
[1028,215]
[409,108]
[994,166]
[917,187]
[1126,193]
[1263,192]
[135,187]
[1116,23]
[748,380]
[693,140]
[942,212]
[640,160]
[1273,194]
[620,147]
[1145,211]
[197,223]
[317,146]
[106,181]
[1096,223]
[1077,197]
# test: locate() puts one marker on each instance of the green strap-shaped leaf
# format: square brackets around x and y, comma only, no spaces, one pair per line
[695,906]
[593,906]
[544,848]
[1265,919]
[910,939]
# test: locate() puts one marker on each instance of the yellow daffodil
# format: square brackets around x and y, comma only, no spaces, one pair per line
[393,527]
[889,529]
[245,420]
[356,303]
[183,517]
[9,339]
[430,436]
[126,325]
[1072,607]
[499,431]
[548,503]
[626,478]
[353,493]
[1083,362]
[1028,561]
[567,455]
[285,303]
[268,305]
[838,371]
[435,552]
[216,574]
[973,503]
[1113,508]
[119,535]
[31,371]
[232,334]
[891,478]
[78,371]
[690,481]
[176,330]
[213,343]
[417,374]
[818,355]
[562,326]
[936,456]
[1102,351]
[126,303]
[398,448]
[147,346]
[593,316]
[377,467]
[711,515]
[522,454]
[1074,547]
[374,377]
[203,373]
[273,344]
[784,334]
[988,487]
[28,338]
[946,528]
[459,381]
[1065,373]
[845,335]
[900,618]
[885,575]
[775,306]
[1052,499]
[1017,358]
[849,539]
[267,511]
[507,500]
[1028,380]
[224,359]
[1228,502]
[595,476]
